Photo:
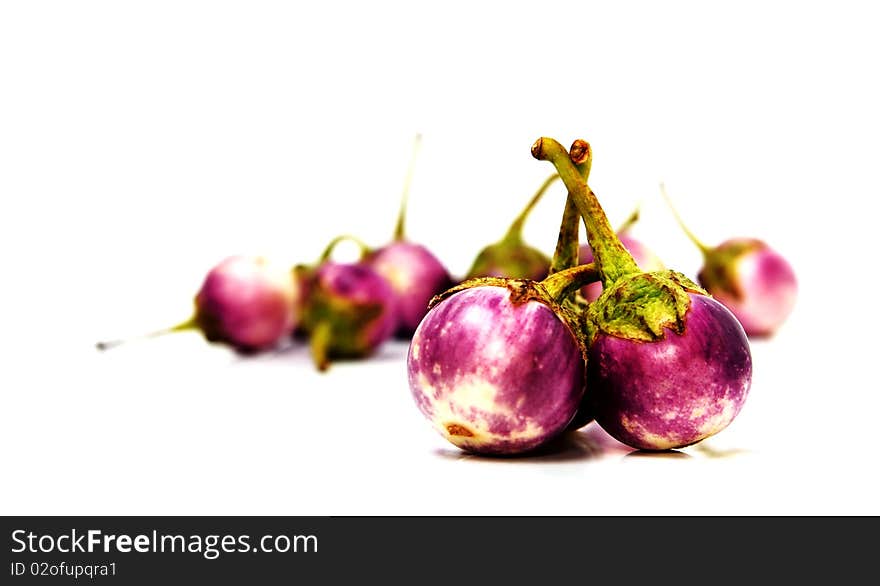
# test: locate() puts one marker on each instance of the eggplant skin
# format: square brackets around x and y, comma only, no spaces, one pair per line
[493,376]
[764,288]
[675,391]
[415,276]
[247,302]
[359,304]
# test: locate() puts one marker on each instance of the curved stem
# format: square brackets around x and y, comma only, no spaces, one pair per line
[567,250]
[628,223]
[365,250]
[514,233]
[567,245]
[693,238]
[189,324]
[319,344]
[400,228]
[612,260]
[562,284]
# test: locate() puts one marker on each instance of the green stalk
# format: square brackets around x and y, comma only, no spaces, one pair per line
[400,228]
[630,221]
[706,250]
[514,233]
[612,260]
[565,282]
[319,344]
[365,250]
[567,245]
[189,324]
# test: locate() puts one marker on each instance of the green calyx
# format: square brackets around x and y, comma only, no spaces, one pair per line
[719,272]
[521,290]
[302,275]
[337,328]
[634,305]
[641,306]
[514,260]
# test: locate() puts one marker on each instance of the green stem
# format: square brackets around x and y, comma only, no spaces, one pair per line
[400,229]
[514,233]
[562,284]
[568,244]
[706,250]
[612,260]
[319,343]
[628,223]
[365,250]
[189,324]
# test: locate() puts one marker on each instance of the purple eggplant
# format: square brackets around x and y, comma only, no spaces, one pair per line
[667,365]
[754,281]
[246,302]
[674,391]
[751,279]
[414,272]
[349,310]
[415,276]
[497,366]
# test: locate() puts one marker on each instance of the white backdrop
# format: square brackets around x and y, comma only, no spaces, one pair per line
[140,143]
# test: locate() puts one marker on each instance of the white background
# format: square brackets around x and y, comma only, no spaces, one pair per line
[140,143]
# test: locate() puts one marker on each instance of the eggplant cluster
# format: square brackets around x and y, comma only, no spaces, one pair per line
[525,347]
[344,310]
[351,309]
[504,365]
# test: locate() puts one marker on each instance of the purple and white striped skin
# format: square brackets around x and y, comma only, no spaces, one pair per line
[492,376]
[764,287]
[644,257]
[345,290]
[247,302]
[673,392]
[415,275]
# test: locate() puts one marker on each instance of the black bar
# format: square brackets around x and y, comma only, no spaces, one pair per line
[454,550]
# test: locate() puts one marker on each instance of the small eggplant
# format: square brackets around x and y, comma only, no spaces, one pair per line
[246,302]
[751,279]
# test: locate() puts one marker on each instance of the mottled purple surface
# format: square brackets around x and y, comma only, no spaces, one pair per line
[415,275]
[494,377]
[644,257]
[676,391]
[247,302]
[353,286]
[767,290]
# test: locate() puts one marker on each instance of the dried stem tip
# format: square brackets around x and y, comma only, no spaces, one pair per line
[579,152]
